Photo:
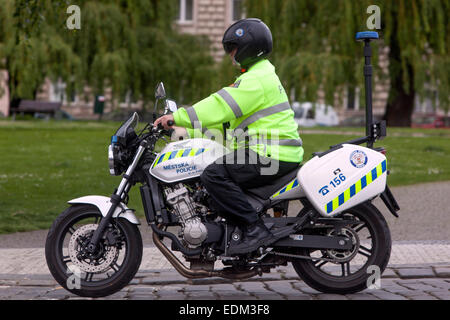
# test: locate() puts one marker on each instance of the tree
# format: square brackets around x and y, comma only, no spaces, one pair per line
[417,33]
[31,48]
[314,48]
[125,45]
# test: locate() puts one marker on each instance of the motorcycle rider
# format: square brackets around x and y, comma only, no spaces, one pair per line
[255,107]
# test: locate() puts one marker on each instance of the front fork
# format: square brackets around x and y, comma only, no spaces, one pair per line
[116,198]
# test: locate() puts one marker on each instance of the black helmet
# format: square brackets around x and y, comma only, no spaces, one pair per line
[251,37]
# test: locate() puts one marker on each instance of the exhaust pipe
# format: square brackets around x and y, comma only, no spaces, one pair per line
[194,274]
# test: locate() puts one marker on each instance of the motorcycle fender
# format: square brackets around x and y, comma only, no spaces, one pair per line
[104,203]
[390,202]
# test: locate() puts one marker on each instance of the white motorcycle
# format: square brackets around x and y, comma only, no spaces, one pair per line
[331,242]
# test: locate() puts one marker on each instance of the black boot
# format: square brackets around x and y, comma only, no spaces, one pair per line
[254,236]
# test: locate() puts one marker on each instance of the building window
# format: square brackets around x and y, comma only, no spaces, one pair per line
[58,93]
[185,10]
[128,98]
[237,10]
[351,98]
[352,101]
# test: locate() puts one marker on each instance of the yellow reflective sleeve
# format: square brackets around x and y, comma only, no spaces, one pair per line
[181,118]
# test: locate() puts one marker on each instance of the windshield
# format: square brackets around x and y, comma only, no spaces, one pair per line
[125,134]
[128,126]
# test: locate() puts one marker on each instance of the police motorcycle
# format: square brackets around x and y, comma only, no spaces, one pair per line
[94,247]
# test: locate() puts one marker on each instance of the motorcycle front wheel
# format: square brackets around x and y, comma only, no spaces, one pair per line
[349,271]
[98,274]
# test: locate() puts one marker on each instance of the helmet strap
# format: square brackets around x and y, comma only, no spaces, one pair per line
[235,62]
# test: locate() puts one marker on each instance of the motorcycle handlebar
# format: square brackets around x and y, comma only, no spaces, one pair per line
[163,131]
[159,129]
[170,131]
[170,123]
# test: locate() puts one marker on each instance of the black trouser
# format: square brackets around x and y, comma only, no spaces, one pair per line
[226,179]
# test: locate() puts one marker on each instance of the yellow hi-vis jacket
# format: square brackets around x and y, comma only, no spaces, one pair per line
[257,110]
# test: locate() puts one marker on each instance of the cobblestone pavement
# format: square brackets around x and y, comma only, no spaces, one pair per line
[417,270]
[405,282]
[32,260]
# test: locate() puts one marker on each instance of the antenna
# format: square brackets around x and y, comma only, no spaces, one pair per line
[368,36]
[374,130]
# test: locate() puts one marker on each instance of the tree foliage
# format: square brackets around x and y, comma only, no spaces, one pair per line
[314,45]
[125,45]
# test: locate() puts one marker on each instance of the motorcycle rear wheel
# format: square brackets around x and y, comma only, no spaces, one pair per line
[109,270]
[341,279]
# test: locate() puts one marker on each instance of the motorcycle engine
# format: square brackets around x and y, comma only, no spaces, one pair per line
[193,231]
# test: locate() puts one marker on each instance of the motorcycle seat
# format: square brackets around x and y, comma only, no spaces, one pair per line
[266,191]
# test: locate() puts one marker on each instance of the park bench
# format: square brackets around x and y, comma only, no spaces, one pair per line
[32,106]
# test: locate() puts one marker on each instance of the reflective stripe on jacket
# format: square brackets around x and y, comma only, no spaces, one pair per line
[258,112]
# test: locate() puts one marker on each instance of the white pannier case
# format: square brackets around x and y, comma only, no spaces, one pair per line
[343,178]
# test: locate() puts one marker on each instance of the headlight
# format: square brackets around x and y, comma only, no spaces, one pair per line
[114,168]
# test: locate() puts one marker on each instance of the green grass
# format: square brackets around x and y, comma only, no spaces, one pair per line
[410,159]
[45,164]
[391,131]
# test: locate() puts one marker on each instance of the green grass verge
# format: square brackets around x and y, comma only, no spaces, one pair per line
[45,164]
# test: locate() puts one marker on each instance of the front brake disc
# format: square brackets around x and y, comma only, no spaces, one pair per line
[90,264]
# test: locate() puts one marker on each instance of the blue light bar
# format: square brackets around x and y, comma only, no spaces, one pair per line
[114,139]
[367,35]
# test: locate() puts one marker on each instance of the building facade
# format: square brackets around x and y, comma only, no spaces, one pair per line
[209,18]
[4,94]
